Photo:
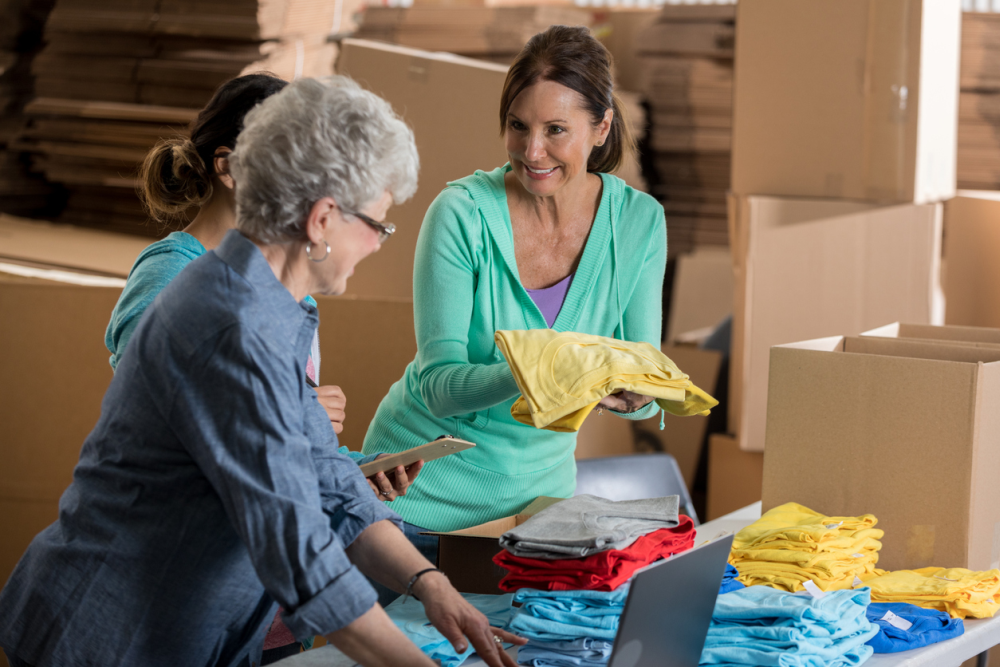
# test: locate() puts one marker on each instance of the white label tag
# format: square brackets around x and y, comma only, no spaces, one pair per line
[857,555]
[857,582]
[813,589]
[896,621]
[831,526]
[937,576]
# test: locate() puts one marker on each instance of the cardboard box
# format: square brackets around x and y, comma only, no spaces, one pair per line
[55,373]
[365,346]
[683,437]
[856,99]
[604,435]
[951,335]
[452,105]
[702,295]
[808,268]
[971,269]
[734,476]
[905,429]
[466,555]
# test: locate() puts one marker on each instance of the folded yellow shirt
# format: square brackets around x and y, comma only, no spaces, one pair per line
[792,544]
[957,591]
[563,376]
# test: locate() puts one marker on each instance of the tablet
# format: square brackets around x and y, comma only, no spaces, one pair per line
[428,452]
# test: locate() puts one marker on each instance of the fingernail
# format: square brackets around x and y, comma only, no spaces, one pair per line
[461,648]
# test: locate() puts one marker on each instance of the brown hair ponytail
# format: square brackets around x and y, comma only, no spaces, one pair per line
[177,173]
[173,178]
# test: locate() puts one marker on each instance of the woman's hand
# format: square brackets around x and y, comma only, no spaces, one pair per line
[625,401]
[332,398]
[457,620]
[391,486]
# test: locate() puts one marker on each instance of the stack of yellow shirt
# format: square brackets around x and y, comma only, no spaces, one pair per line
[792,544]
[563,375]
[956,591]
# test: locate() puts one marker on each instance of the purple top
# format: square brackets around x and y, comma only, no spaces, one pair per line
[550,299]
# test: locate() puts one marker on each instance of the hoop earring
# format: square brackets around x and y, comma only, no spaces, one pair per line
[309,249]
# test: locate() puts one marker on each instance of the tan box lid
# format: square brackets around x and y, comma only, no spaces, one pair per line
[497,527]
[49,245]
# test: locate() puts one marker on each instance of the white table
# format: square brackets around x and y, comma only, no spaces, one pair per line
[980,635]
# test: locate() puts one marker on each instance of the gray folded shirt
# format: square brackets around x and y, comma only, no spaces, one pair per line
[584,525]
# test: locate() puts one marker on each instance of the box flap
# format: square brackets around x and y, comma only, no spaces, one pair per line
[922,349]
[494,529]
[971,269]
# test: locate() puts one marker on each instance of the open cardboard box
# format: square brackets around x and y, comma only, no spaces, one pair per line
[902,428]
[466,555]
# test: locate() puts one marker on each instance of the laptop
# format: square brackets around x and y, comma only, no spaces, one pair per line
[669,608]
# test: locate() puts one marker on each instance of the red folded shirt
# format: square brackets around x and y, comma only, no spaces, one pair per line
[603,571]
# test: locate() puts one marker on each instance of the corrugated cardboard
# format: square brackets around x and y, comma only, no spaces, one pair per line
[805,268]
[905,429]
[847,98]
[703,292]
[734,476]
[683,437]
[604,435]
[466,555]
[971,269]
[452,105]
[953,335]
[55,373]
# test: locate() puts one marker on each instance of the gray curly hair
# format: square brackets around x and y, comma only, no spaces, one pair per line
[324,137]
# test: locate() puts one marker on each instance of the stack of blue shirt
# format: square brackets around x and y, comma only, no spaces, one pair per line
[567,628]
[928,626]
[409,616]
[763,626]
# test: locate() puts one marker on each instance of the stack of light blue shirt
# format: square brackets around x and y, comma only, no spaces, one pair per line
[567,628]
[762,626]
[929,626]
[409,616]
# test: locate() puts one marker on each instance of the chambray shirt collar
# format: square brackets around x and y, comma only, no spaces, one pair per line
[246,259]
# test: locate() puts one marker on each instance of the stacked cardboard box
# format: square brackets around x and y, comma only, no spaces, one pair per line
[979,103]
[21,24]
[835,220]
[116,76]
[686,61]
[491,33]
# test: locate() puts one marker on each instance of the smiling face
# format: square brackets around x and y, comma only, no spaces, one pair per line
[549,136]
[351,240]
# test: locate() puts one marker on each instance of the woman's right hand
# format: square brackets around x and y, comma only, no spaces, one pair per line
[457,619]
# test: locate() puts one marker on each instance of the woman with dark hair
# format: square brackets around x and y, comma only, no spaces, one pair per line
[550,239]
[180,174]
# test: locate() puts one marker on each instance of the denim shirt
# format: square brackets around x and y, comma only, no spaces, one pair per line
[210,490]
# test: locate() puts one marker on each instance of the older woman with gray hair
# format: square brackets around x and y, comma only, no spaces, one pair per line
[208,492]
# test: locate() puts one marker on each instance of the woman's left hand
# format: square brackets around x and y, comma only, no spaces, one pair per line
[625,401]
[332,398]
[390,486]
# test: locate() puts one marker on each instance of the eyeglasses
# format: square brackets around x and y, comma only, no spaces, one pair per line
[384,230]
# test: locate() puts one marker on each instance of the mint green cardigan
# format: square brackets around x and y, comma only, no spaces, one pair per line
[466,287]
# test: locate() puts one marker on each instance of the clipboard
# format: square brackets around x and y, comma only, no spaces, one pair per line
[429,452]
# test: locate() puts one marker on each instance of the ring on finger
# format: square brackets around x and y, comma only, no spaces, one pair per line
[497,640]
[384,493]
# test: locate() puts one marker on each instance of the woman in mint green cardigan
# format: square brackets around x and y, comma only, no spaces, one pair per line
[497,250]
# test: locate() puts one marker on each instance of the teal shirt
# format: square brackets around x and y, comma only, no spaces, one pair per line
[465,288]
[154,268]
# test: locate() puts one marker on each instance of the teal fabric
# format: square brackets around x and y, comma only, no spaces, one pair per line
[466,287]
[154,268]
[409,616]
[763,626]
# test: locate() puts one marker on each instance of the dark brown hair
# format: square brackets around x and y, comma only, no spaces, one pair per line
[177,172]
[572,57]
